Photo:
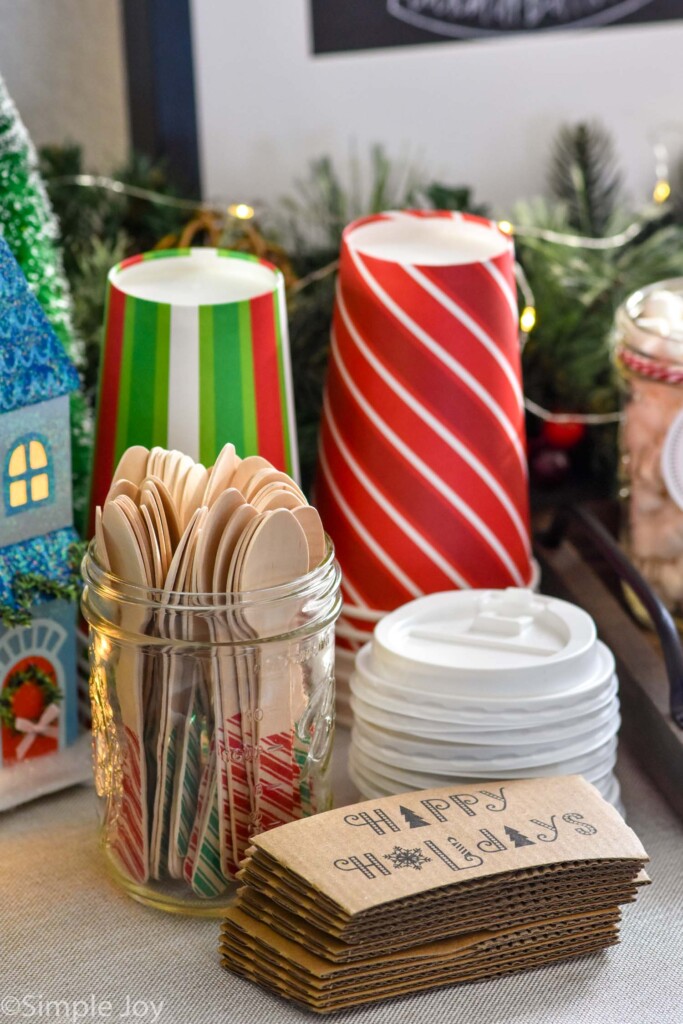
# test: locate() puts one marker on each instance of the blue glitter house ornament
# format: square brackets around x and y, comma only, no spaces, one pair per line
[38,711]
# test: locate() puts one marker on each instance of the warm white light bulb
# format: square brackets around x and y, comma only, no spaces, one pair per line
[661,191]
[241,210]
[527,320]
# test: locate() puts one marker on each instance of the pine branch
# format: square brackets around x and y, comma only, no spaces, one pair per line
[311,220]
[584,175]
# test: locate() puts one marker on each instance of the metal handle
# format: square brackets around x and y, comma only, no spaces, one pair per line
[661,617]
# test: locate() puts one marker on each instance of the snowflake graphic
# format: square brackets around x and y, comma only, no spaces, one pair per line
[401,858]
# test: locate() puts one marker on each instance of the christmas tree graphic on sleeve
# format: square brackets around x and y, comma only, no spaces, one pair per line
[518,838]
[413,819]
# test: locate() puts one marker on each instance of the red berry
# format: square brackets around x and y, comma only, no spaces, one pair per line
[563,435]
[28,701]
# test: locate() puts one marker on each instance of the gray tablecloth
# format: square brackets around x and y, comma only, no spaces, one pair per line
[70,941]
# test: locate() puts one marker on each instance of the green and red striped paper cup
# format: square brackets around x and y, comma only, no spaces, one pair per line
[196,354]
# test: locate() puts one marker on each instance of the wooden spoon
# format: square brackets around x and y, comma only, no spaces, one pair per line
[168,467]
[149,498]
[246,469]
[100,545]
[232,533]
[219,515]
[157,565]
[132,464]
[274,496]
[131,510]
[128,564]
[232,582]
[184,580]
[241,683]
[177,485]
[168,505]
[220,474]
[276,553]
[123,486]
[309,520]
[174,690]
[270,476]
[123,546]
[231,695]
[193,492]
[173,574]
[155,460]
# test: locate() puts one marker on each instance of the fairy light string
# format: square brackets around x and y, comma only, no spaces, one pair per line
[238,211]
[528,315]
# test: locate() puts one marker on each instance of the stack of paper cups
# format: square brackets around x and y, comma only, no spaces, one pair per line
[483,685]
[195,354]
[422,479]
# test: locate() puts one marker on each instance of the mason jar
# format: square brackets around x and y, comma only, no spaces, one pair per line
[648,350]
[213,720]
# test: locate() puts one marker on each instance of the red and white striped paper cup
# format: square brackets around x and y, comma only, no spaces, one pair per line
[422,473]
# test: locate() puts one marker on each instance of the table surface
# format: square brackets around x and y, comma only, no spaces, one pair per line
[69,935]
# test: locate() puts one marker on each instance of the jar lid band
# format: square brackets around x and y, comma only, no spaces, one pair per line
[647,367]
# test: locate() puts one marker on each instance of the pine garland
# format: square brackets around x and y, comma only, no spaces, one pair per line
[566,362]
[27,586]
[97,230]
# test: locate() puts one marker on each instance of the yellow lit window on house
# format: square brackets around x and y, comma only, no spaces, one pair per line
[17,461]
[17,493]
[37,455]
[28,475]
[40,487]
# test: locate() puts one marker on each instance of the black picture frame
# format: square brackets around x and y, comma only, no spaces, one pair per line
[161,91]
[347,25]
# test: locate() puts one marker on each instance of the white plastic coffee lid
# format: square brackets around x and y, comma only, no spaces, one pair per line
[578,758]
[593,766]
[487,642]
[456,754]
[523,734]
[372,785]
[446,700]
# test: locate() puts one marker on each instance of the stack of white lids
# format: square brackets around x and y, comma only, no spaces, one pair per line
[483,684]
[354,628]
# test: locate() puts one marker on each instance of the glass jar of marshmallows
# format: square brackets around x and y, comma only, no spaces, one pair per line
[648,349]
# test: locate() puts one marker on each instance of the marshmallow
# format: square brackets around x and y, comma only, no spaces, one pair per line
[663,305]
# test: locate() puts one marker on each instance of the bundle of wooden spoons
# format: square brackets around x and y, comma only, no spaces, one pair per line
[154,498]
[213,750]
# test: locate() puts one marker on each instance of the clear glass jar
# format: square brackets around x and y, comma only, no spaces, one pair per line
[648,350]
[213,719]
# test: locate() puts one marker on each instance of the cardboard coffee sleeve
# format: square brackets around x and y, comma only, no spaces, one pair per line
[458,884]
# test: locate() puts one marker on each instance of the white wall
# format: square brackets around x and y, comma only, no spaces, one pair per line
[479,113]
[62,61]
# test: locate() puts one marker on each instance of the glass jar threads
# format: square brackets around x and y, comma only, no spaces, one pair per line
[213,719]
[648,349]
